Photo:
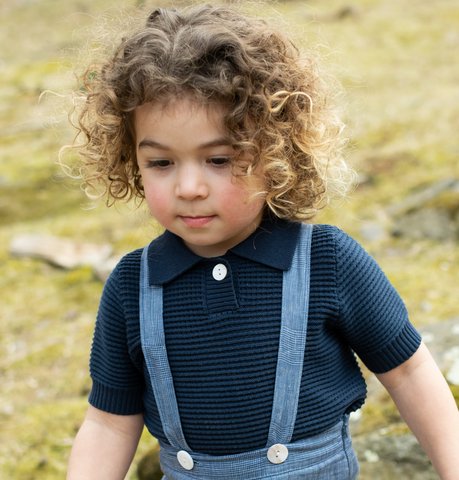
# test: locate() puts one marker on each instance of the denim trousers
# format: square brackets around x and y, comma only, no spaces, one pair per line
[328,455]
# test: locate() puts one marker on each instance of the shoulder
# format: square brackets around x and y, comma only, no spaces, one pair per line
[123,280]
[354,269]
[324,233]
[129,262]
[330,241]
[118,315]
[128,268]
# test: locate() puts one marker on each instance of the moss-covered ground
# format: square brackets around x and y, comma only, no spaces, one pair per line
[396,59]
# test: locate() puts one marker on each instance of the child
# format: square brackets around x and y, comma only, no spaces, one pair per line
[231,336]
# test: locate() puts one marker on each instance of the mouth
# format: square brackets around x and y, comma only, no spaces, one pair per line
[197,221]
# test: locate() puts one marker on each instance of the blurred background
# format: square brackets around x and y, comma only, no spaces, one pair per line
[397,60]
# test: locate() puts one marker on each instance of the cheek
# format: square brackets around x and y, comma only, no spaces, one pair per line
[157,201]
[235,200]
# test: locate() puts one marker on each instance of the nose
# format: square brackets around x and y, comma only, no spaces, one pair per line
[191,182]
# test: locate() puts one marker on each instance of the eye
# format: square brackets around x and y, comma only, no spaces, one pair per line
[160,163]
[219,161]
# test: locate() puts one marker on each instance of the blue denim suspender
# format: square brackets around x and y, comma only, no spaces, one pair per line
[154,349]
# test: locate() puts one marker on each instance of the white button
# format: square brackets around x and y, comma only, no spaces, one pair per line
[277,453]
[185,460]
[219,272]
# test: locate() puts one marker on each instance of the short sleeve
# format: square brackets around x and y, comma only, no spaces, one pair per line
[117,383]
[373,317]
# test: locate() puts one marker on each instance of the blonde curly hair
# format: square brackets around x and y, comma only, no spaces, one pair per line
[278,105]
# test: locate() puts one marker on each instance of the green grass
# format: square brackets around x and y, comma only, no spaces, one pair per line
[395,58]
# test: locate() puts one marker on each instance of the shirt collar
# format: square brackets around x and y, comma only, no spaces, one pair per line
[273,244]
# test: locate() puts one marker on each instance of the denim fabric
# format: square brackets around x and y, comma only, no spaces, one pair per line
[328,455]
[154,349]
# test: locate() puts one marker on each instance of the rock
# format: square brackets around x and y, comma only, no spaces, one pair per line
[148,468]
[103,269]
[62,252]
[452,354]
[426,306]
[392,456]
[452,375]
[384,470]
[426,223]
[370,456]
[372,232]
[442,340]
[394,448]
[364,179]
[7,410]
[420,198]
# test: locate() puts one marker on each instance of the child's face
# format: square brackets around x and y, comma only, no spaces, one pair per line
[183,153]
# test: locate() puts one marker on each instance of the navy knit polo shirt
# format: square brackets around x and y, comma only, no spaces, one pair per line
[222,337]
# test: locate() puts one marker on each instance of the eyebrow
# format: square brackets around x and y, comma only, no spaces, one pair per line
[148,143]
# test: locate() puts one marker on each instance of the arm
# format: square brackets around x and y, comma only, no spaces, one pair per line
[105,446]
[424,400]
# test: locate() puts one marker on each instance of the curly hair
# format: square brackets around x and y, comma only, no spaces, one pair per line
[278,105]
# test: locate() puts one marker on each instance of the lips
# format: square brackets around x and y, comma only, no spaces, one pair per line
[197,221]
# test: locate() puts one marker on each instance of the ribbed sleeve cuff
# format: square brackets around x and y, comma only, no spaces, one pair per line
[117,401]
[398,351]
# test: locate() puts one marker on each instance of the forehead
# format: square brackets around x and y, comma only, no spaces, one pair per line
[180,126]
[179,111]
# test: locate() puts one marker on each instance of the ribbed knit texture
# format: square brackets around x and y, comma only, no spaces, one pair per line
[222,342]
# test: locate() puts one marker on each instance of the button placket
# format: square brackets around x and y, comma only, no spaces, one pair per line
[220,289]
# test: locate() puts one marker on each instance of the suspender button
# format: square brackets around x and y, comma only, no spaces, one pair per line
[185,460]
[278,453]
